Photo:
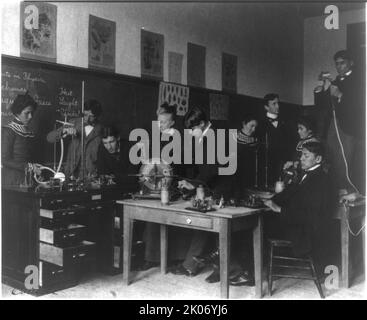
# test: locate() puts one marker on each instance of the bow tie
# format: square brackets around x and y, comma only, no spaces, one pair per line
[272,120]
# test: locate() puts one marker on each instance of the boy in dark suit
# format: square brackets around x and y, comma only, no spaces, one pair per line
[205,174]
[277,142]
[303,206]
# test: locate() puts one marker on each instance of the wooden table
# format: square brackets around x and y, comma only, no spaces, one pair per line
[223,221]
[346,213]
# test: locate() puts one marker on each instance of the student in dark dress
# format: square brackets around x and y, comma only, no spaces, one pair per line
[17,142]
[306,128]
[247,146]
[241,264]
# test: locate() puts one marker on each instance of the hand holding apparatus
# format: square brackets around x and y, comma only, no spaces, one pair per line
[287,165]
[68,131]
[185,184]
[335,92]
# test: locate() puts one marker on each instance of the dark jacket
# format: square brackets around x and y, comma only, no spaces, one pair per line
[350,110]
[281,143]
[207,172]
[73,156]
[118,165]
[17,146]
[305,208]
[245,176]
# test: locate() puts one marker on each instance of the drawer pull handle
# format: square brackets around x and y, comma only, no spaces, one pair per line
[188,221]
[78,255]
[58,271]
[69,235]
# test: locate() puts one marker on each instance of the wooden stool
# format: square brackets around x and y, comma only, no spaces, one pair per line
[308,264]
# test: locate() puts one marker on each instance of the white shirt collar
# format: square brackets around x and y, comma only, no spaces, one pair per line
[205,131]
[169,131]
[313,168]
[271,115]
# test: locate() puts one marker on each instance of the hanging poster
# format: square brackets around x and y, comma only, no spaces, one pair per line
[175,67]
[151,55]
[229,72]
[174,94]
[38,30]
[101,43]
[196,65]
[218,106]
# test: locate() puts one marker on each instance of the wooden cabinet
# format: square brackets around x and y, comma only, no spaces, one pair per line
[61,234]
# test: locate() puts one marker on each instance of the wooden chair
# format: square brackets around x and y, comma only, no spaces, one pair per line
[283,266]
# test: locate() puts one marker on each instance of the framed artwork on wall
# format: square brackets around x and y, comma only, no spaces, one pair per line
[151,55]
[101,43]
[38,21]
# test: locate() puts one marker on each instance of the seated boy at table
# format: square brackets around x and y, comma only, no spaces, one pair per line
[303,207]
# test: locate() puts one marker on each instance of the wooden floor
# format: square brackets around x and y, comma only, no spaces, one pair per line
[152,285]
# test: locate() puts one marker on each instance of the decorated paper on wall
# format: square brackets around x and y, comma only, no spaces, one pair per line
[174,94]
[218,106]
[152,53]
[175,67]
[102,43]
[38,30]
[229,72]
[196,65]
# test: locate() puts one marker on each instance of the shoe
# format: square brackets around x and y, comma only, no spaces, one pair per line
[181,270]
[147,265]
[210,259]
[213,277]
[243,279]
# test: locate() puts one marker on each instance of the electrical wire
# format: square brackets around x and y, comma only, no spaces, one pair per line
[342,150]
[355,234]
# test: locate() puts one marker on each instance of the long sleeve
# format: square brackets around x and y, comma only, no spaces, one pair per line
[8,138]
[54,135]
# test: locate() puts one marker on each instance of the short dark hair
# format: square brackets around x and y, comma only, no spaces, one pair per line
[94,106]
[109,131]
[193,117]
[248,117]
[307,122]
[21,102]
[166,108]
[315,147]
[270,96]
[343,54]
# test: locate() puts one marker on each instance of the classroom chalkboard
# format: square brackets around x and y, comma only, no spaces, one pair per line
[57,92]
[127,103]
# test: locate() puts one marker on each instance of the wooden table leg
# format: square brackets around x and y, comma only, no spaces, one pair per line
[224,252]
[164,246]
[258,256]
[128,237]
[344,250]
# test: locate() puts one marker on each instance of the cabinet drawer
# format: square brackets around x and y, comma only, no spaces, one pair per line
[61,213]
[200,222]
[51,274]
[61,237]
[65,257]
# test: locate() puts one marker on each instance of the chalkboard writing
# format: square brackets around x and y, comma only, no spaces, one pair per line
[54,91]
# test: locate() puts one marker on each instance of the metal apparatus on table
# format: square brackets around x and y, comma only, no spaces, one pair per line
[57,180]
[154,175]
